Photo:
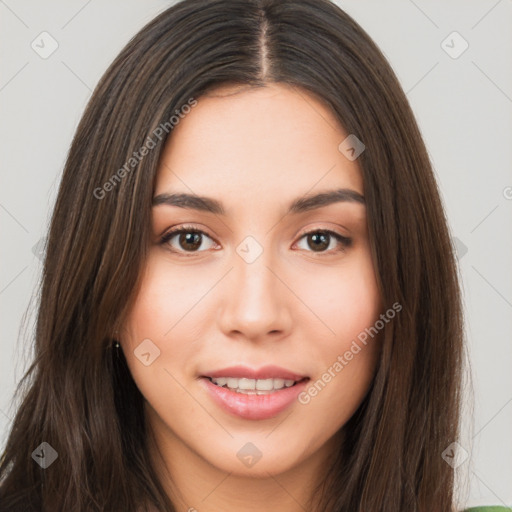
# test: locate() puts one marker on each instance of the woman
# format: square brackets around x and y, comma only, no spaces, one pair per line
[250,298]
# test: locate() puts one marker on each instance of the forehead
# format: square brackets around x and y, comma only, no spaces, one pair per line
[272,139]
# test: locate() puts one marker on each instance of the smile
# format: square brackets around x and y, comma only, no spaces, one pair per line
[253,394]
[253,386]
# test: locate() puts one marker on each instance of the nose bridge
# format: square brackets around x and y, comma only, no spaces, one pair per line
[255,303]
[255,280]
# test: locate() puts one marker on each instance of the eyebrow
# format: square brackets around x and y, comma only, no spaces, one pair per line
[300,205]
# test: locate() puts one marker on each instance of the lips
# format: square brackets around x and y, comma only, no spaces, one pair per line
[253,394]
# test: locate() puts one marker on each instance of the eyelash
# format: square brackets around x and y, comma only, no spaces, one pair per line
[343,240]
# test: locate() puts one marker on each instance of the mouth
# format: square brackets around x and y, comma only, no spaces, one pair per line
[253,394]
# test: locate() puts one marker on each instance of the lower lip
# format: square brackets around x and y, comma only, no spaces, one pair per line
[253,407]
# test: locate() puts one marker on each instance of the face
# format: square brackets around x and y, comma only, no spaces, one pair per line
[242,290]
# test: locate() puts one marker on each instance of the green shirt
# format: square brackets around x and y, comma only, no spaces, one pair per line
[489,509]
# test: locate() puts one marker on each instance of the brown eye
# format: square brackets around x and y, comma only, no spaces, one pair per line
[189,241]
[185,239]
[320,240]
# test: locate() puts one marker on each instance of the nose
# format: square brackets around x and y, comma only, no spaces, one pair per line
[255,303]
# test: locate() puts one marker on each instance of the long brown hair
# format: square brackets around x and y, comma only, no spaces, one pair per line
[80,397]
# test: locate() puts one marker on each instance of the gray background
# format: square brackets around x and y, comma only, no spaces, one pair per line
[463,106]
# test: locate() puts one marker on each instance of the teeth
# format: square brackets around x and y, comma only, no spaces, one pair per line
[232,383]
[266,384]
[252,386]
[248,384]
[278,383]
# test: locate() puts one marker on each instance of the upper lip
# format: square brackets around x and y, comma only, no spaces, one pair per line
[265,372]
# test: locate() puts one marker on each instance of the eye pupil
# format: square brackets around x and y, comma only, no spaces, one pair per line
[321,238]
[188,238]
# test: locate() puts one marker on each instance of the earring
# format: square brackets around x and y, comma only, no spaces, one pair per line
[116,344]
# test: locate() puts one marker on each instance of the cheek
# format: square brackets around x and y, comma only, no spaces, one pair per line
[158,325]
[165,303]
[347,344]
[345,300]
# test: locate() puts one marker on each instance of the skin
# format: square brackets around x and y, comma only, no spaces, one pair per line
[255,150]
